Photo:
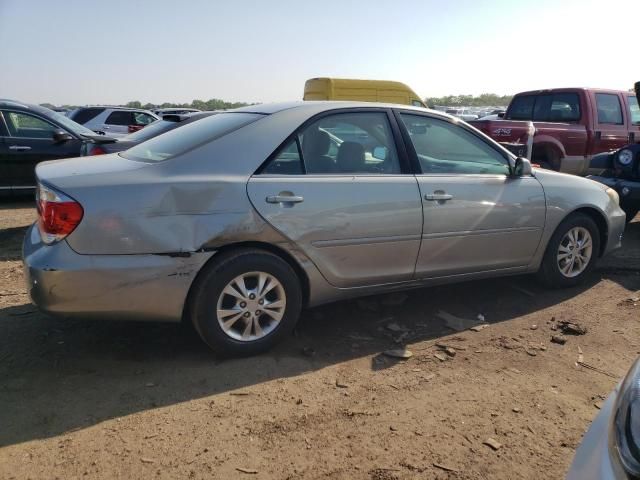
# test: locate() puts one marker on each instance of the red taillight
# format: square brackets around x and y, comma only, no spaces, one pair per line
[97,150]
[58,215]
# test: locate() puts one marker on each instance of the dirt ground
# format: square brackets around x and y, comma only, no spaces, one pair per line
[87,399]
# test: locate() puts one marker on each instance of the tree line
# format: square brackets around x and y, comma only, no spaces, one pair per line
[483,100]
[211,104]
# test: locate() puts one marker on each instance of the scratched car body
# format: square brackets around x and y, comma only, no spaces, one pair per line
[239,220]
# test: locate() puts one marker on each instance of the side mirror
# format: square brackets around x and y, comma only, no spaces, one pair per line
[380,153]
[501,115]
[522,167]
[60,136]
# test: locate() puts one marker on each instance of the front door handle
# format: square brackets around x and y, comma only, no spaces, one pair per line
[439,197]
[284,199]
[19,148]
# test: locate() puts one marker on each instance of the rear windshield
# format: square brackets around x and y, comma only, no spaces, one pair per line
[152,130]
[181,140]
[83,115]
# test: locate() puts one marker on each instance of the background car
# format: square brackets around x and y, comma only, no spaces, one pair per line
[30,134]
[237,221]
[620,170]
[462,113]
[167,123]
[114,121]
[173,111]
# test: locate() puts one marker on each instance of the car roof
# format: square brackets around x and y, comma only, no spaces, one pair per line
[326,105]
[7,103]
[112,107]
[572,89]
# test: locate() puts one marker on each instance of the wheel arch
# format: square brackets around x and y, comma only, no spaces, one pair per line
[280,252]
[601,222]
[544,145]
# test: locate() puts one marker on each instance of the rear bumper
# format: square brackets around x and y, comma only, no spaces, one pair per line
[138,287]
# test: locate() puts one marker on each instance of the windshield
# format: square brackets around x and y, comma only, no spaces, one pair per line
[181,140]
[70,125]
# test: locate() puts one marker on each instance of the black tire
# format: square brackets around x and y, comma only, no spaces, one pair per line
[630,211]
[549,272]
[213,279]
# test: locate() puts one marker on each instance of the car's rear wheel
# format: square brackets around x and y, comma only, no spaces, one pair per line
[245,302]
[571,252]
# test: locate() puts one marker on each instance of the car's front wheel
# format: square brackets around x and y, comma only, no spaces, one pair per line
[571,252]
[245,302]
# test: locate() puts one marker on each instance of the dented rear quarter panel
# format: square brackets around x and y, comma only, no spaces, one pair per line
[192,201]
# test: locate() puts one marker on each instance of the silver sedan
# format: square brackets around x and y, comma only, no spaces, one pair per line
[238,221]
[610,450]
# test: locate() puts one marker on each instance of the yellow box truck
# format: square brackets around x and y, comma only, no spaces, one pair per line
[360,90]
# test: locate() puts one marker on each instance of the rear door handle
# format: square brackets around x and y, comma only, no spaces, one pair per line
[19,148]
[440,197]
[284,199]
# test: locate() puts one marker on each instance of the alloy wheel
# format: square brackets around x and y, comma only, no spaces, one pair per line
[574,252]
[251,306]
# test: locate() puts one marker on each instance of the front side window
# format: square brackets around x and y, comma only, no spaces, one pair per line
[446,148]
[22,125]
[609,109]
[634,111]
[194,135]
[3,128]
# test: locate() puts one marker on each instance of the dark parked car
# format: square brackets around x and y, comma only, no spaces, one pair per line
[621,171]
[168,122]
[30,134]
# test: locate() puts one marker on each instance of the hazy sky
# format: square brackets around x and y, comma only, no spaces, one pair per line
[113,51]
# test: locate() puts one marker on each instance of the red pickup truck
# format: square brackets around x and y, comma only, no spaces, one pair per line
[571,125]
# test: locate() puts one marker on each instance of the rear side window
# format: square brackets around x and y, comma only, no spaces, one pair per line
[120,117]
[634,111]
[287,162]
[84,115]
[557,107]
[609,109]
[339,144]
[522,107]
[142,118]
[181,140]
